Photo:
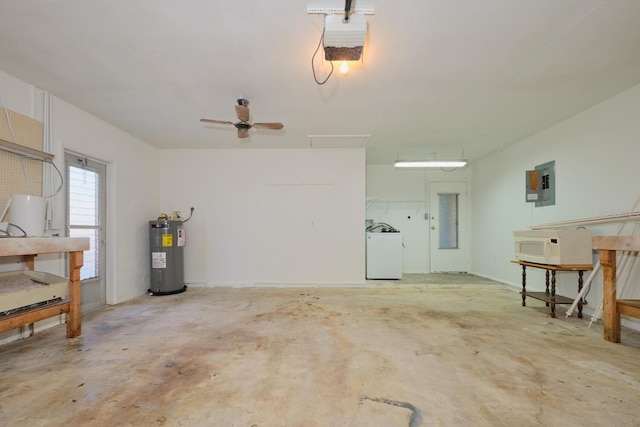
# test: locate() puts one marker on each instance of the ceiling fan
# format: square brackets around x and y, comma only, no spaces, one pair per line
[243,126]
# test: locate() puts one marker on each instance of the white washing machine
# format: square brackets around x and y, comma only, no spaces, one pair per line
[384,255]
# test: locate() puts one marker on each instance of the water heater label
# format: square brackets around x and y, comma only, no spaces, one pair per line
[181,236]
[167,240]
[158,260]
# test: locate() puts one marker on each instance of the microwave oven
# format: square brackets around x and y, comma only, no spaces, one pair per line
[554,247]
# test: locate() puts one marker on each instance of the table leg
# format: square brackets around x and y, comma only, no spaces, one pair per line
[553,293]
[580,290]
[524,285]
[610,315]
[546,282]
[73,318]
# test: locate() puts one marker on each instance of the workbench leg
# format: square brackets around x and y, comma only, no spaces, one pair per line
[610,315]
[74,329]
[524,285]
[29,262]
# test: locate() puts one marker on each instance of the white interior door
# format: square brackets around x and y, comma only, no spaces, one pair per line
[449,248]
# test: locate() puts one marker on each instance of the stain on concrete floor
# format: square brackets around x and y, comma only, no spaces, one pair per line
[387,355]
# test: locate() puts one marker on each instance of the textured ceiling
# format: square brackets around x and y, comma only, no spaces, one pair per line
[437,76]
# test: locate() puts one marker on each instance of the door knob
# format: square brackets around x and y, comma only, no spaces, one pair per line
[433,227]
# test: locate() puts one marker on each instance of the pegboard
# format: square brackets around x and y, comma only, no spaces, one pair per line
[28,132]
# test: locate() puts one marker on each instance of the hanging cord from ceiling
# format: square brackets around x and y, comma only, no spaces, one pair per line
[347,12]
[320,43]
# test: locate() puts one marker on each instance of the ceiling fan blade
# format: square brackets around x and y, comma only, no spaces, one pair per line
[275,126]
[243,133]
[243,113]
[221,122]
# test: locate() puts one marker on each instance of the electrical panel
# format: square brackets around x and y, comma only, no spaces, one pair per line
[541,184]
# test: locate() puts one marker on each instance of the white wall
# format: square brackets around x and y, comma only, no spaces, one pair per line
[132,191]
[283,216]
[596,159]
[17,95]
[132,184]
[400,198]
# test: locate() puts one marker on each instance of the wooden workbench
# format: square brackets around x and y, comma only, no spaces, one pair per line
[612,307]
[28,248]
[549,295]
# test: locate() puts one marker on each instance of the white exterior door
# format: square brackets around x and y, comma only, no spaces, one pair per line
[449,247]
[86,207]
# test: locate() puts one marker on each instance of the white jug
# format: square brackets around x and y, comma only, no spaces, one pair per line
[28,213]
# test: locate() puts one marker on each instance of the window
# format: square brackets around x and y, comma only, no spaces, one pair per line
[448,221]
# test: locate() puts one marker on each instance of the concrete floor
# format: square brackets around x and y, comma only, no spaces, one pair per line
[460,352]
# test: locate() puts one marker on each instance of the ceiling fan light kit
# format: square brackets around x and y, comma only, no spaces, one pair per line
[430,163]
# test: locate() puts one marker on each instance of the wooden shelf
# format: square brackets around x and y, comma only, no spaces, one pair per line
[30,316]
[548,298]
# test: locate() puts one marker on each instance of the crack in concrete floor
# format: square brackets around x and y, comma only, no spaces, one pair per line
[414,419]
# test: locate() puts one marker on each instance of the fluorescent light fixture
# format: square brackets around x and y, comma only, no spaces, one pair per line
[430,163]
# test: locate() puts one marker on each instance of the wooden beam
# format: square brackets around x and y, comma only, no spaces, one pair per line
[610,317]
[16,320]
[629,307]
[76,260]
[42,245]
[618,243]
